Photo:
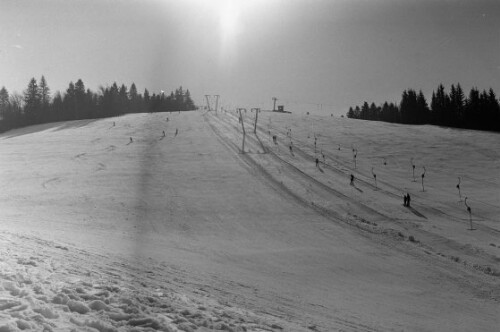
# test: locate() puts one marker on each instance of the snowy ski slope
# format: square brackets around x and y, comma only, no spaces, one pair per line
[187,233]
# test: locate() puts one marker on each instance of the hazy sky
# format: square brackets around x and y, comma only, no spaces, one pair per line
[304,52]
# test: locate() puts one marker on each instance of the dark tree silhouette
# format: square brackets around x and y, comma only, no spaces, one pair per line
[422,109]
[31,101]
[135,99]
[36,106]
[350,113]
[44,91]
[69,102]
[480,110]
[4,107]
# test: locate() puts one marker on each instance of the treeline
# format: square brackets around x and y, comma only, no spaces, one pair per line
[36,105]
[479,110]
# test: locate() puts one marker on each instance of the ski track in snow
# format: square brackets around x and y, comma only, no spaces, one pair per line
[453,248]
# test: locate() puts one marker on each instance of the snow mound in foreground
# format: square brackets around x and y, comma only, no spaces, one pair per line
[44,286]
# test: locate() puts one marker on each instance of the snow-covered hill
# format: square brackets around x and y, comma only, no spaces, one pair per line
[107,225]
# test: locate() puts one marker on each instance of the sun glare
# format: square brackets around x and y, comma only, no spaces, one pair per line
[229,28]
[228,20]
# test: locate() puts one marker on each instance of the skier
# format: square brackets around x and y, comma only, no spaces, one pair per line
[176,131]
[352,179]
[131,140]
[164,133]
[317,162]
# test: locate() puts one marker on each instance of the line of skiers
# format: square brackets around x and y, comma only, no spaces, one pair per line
[406,197]
[131,140]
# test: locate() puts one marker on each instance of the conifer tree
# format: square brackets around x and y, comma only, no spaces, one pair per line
[422,114]
[146,101]
[44,92]
[373,113]
[350,113]
[4,108]
[365,109]
[123,101]
[493,113]
[188,102]
[132,93]
[70,103]
[458,102]
[113,93]
[357,112]
[80,107]
[14,116]
[4,100]
[31,101]
[57,107]
[135,99]
[408,107]
[471,112]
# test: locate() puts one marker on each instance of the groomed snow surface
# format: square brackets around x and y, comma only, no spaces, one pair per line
[106,225]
